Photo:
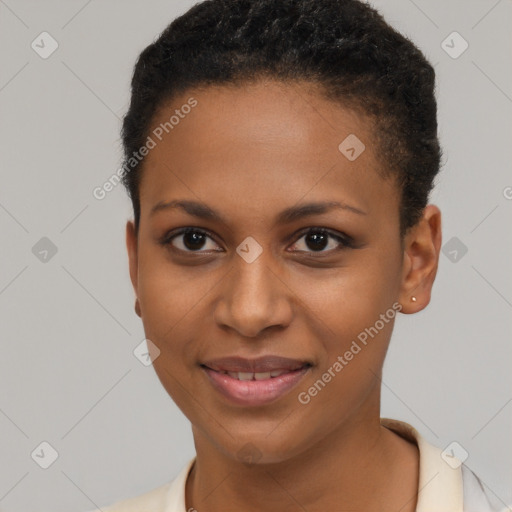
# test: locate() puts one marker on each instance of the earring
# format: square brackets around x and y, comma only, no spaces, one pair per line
[413,299]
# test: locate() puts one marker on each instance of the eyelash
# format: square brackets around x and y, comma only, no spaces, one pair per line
[344,240]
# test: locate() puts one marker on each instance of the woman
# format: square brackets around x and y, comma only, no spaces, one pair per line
[279,155]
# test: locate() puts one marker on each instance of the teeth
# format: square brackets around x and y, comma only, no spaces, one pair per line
[255,376]
[262,376]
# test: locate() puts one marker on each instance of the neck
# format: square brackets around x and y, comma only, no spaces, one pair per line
[358,465]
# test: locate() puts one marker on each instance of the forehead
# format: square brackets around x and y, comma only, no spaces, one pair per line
[293,114]
[261,139]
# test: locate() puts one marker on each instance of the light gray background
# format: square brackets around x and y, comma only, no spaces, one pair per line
[68,375]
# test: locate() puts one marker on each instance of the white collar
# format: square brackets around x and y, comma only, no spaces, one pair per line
[439,490]
[440,485]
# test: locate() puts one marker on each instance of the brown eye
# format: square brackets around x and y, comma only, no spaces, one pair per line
[191,240]
[318,239]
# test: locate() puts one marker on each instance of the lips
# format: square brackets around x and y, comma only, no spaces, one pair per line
[257,369]
[255,382]
[254,375]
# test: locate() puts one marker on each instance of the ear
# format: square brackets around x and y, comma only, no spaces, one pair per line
[422,245]
[131,246]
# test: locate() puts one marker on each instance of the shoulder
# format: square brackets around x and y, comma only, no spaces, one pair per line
[445,483]
[169,497]
[476,498]
[151,501]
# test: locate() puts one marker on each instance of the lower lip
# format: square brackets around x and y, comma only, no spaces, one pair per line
[254,392]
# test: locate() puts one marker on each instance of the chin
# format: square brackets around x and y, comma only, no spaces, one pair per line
[262,448]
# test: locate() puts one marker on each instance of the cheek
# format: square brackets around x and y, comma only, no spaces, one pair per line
[350,298]
[361,329]
[350,366]
[167,299]
[357,305]
[168,306]
[166,292]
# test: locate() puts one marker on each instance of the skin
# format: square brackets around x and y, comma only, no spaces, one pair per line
[249,153]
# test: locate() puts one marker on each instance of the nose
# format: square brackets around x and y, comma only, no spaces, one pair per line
[253,298]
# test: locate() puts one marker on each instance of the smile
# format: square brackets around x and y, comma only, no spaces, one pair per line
[254,376]
[254,388]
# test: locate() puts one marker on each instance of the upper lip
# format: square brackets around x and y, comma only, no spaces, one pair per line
[258,365]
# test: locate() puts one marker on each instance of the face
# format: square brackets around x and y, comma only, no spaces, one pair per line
[292,250]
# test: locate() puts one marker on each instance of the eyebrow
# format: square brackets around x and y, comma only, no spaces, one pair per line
[286,216]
